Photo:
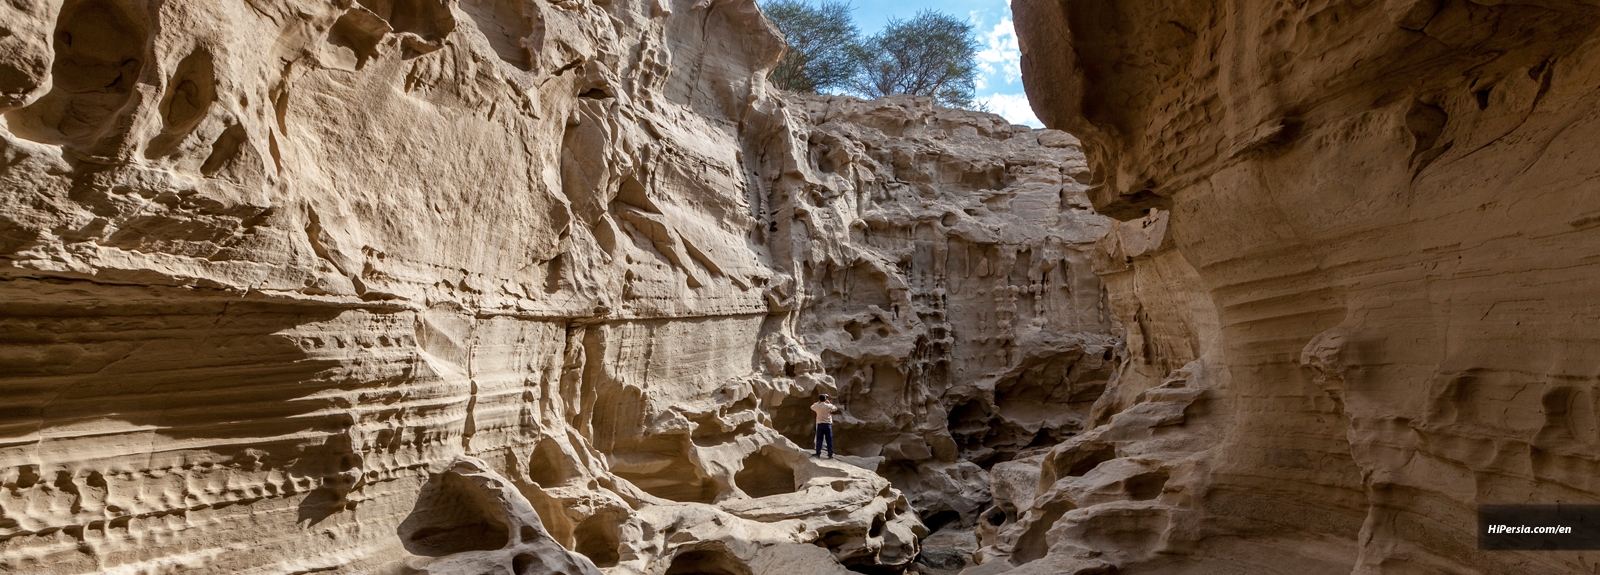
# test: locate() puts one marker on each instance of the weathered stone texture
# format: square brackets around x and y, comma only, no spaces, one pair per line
[400,286]
[949,291]
[1364,232]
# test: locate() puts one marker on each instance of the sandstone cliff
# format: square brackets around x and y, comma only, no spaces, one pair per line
[950,292]
[401,286]
[1357,270]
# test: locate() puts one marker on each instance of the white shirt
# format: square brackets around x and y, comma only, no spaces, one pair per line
[824,411]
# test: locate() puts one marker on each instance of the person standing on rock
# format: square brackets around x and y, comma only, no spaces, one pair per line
[824,409]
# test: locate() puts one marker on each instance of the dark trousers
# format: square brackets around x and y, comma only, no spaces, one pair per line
[825,434]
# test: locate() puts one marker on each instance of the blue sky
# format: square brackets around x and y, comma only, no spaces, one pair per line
[999,77]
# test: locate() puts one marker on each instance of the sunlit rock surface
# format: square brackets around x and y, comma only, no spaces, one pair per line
[949,291]
[1357,267]
[439,286]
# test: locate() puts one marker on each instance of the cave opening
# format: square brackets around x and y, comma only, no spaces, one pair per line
[936,521]
[548,465]
[765,474]
[598,539]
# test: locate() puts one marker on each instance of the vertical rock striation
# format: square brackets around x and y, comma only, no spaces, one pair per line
[1361,236]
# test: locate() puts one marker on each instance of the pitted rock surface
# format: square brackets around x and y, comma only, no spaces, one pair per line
[1355,262]
[296,286]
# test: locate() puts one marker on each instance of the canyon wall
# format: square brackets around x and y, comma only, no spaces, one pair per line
[951,293]
[527,286]
[1356,261]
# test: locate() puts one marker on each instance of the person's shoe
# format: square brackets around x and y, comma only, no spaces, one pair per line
[830,456]
[816,455]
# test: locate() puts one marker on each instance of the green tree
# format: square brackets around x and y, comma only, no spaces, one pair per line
[824,44]
[933,54]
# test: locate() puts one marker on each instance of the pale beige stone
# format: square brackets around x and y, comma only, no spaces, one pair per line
[296,286]
[1365,230]
[949,292]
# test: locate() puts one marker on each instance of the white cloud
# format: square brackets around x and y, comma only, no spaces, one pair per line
[999,59]
[1013,107]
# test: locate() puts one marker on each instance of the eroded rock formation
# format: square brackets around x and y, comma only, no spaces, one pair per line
[439,286]
[1356,266]
[949,292]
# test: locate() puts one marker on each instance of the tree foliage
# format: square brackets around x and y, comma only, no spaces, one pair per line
[932,54]
[824,45]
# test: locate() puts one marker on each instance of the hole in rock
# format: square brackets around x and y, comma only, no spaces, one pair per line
[1091,460]
[595,93]
[1482,96]
[98,61]
[359,32]
[453,515]
[877,527]
[548,466]
[1047,437]
[523,563]
[765,474]
[1033,544]
[707,562]
[597,538]
[428,19]
[995,516]
[1145,485]
[969,417]
[854,328]
[971,425]
[938,520]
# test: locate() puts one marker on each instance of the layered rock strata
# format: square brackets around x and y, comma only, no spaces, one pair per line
[399,286]
[948,290]
[1358,244]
